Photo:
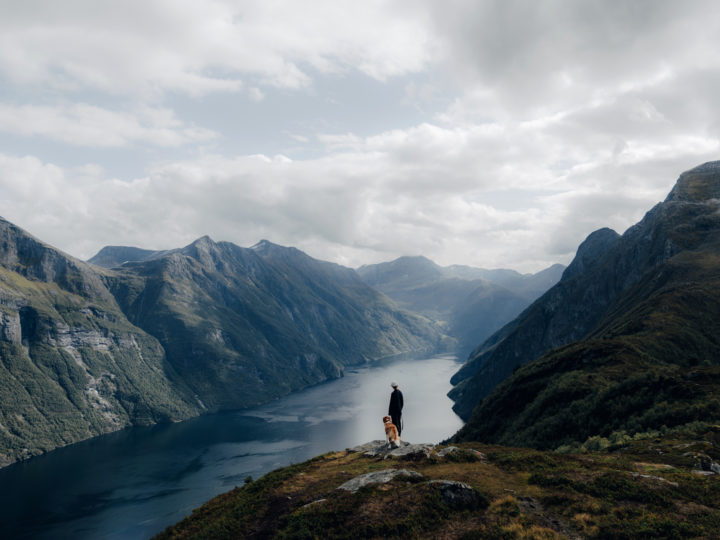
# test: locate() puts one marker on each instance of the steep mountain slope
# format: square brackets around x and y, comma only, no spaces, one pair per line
[468,302]
[563,314]
[71,365]
[244,325]
[640,320]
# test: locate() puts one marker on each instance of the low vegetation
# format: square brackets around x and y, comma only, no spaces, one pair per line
[652,487]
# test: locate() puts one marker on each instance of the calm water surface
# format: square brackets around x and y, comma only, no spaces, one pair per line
[134,483]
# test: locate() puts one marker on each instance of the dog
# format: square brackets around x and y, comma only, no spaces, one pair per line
[391,432]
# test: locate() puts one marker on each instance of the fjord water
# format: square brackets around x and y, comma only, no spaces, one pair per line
[134,483]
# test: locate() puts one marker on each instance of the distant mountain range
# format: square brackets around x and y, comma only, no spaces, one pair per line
[469,303]
[627,341]
[85,350]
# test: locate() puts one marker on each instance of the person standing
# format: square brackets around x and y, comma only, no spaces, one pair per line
[396,405]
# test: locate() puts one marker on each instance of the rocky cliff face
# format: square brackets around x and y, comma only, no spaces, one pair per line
[624,301]
[71,365]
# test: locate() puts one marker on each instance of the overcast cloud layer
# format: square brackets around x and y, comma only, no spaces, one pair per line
[489,133]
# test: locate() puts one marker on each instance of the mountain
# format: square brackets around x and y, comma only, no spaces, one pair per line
[528,286]
[86,350]
[628,341]
[71,365]
[244,325]
[469,303]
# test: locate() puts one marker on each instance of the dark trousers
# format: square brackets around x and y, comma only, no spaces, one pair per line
[396,419]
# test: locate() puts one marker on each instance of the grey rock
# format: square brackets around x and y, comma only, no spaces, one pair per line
[706,463]
[413,451]
[369,448]
[655,478]
[457,495]
[377,477]
[454,449]
[313,503]
[10,330]
[380,448]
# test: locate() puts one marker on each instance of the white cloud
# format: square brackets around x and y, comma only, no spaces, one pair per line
[564,117]
[87,125]
[457,195]
[146,48]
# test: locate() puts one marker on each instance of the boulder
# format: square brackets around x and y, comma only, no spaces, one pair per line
[406,450]
[377,477]
[458,495]
[461,454]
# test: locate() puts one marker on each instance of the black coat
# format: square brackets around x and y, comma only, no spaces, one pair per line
[396,403]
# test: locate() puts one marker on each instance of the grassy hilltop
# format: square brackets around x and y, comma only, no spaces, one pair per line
[647,488]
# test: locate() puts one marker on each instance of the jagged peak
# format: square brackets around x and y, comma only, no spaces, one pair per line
[266,247]
[699,184]
[204,241]
[263,245]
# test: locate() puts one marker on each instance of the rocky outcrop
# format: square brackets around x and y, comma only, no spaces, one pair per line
[378,477]
[458,495]
[705,465]
[406,450]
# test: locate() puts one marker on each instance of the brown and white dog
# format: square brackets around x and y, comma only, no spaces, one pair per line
[391,432]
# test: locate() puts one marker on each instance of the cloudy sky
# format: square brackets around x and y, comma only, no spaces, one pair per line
[490,133]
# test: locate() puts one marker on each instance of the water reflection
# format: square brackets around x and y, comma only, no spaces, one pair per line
[134,483]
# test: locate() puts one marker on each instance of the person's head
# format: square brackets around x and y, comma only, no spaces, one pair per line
[394,385]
